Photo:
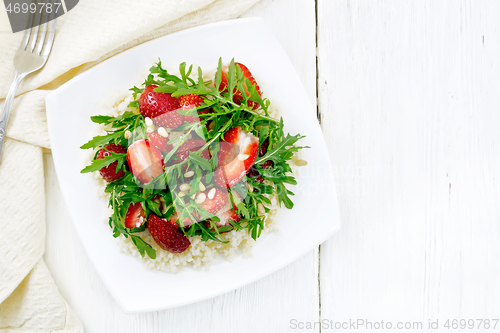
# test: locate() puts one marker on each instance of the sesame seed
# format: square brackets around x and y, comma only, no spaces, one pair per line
[300,162]
[181,194]
[201,197]
[185,187]
[189,174]
[127,134]
[250,187]
[150,129]
[243,157]
[148,121]
[211,193]
[202,187]
[163,132]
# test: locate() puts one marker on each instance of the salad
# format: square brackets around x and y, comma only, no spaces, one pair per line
[193,160]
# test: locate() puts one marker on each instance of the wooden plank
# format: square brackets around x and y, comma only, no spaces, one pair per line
[408,94]
[267,305]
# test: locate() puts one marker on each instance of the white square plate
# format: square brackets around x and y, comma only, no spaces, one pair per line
[313,219]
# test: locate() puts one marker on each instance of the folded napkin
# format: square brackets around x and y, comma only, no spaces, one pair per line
[90,33]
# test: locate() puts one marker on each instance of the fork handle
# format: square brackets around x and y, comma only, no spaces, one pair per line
[4,118]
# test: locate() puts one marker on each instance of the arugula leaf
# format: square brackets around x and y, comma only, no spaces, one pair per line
[281,151]
[136,91]
[100,163]
[218,76]
[101,119]
[166,89]
[143,247]
[133,104]
[101,140]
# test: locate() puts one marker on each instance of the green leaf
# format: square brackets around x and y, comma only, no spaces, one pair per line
[136,91]
[166,89]
[101,140]
[254,94]
[283,196]
[101,119]
[153,207]
[143,247]
[231,79]
[133,104]
[218,76]
[100,163]
[274,153]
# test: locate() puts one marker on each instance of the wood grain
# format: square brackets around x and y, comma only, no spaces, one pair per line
[409,95]
[265,306]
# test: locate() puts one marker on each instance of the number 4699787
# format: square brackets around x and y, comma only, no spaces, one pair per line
[471,324]
[39,7]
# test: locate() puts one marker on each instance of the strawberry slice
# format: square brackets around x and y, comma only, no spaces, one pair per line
[159,142]
[235,158]
[224,219]
[166,235]
[218,202]
[145,161]
[175,216]
[160,107]
[238,97]
[109,173]
[213,206]
[135,216]
[226,214]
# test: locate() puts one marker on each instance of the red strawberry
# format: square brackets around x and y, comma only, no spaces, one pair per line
[160,107]
[254,174]
[238,97]
[218,202]
[145,162]
[236,159]
[191,145]
[166,235]
[173,221]
[190,101]
[267,164]
[224,218]
[263,147]
[135,216]
[262,151]
[109,173]
[225,214]
[159,142]
[213,206]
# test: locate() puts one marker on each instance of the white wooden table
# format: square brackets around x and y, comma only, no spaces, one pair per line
[408,93]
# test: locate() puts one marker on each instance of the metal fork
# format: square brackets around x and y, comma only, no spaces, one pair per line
[30,57]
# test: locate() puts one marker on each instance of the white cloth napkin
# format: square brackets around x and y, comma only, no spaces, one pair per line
[93,31]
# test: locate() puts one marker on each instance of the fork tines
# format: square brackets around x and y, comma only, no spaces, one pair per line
[36,41]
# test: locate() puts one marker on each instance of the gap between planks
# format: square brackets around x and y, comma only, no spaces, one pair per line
[318,115]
